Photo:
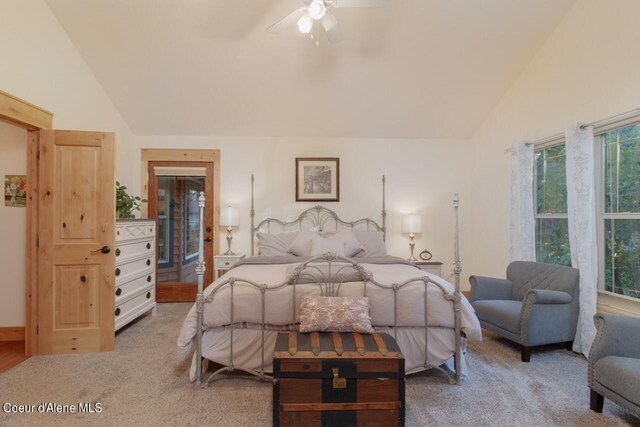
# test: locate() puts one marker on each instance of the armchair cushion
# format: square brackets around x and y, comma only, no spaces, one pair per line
[502,313]
[621,374]
[489,288]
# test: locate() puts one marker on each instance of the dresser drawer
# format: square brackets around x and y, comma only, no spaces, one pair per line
[125,290]
[130,270]
[133,249]
[147,298]
[135,230]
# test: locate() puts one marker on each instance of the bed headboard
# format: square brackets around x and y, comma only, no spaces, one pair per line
[317,216]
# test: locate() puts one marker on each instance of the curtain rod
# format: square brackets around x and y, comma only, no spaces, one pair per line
[598,123]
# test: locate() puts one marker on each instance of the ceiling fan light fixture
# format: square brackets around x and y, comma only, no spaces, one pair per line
[317,9]
[305,24]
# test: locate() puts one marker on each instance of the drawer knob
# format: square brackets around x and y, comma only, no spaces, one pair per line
[148,295]
[117,271]
[148,262]
[118,292]
[149,279]
[118,311]
[148,245]
[227,263]
[118,252]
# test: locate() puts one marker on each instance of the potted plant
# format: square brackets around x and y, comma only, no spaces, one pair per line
[126,204]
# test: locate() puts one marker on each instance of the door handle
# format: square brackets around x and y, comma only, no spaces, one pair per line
[104,250]
[208,239]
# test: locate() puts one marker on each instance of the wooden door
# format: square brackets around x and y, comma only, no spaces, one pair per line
[173,203]
[75,239]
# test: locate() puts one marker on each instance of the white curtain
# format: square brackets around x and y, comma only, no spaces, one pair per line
[522,223]
[581,209]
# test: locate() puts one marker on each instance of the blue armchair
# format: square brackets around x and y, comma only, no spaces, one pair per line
[614,362]
[536,305]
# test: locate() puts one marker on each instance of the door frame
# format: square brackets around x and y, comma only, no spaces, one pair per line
[210,158]
[33,118]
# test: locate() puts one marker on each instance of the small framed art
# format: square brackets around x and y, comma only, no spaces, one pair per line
[15,191]
[317,179]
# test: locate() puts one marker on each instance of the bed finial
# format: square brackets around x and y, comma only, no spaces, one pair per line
[252,213]
[384,209]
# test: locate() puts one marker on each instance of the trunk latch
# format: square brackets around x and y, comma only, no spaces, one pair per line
[337,381]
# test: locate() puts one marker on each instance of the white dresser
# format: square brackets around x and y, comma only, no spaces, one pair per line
[135,269]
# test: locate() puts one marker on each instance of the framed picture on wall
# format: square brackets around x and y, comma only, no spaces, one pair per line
[15,191]
[317,179]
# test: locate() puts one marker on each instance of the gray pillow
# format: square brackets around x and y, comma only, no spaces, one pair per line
[372,242]
[276,244]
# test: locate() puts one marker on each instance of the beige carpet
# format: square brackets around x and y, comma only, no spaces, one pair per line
[140,385]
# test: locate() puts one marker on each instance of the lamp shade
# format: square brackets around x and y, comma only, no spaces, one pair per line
[229,217]
[411,224]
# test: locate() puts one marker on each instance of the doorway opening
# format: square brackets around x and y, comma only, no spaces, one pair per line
[172,190]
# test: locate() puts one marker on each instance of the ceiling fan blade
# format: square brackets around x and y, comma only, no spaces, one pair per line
[288,21]
[331,28]
[359,3]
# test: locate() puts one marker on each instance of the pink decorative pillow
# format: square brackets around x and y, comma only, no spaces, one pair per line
[341,314]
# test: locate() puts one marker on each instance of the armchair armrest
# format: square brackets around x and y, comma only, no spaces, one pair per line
[489,288]
[547,296]
[616,336]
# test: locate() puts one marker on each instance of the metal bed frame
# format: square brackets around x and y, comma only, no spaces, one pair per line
[329,285]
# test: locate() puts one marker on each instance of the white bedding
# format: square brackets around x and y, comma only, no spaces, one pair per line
[247,309]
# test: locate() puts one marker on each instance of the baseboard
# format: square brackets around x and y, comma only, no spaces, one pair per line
[11,333]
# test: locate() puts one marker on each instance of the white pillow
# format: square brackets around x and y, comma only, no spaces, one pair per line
[320,245]
[301,244]
[352,246]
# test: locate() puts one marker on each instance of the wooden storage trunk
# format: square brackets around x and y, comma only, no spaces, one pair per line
[337,379]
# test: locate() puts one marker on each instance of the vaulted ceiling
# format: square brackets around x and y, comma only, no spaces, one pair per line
[414,69]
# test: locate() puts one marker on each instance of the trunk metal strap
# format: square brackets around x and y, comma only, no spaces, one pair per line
[357,338]
[337,342]
[382,348]
[315,343]
[293,343]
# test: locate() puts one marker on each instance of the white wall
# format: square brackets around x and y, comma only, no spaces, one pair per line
[422,176]
[588,69]
[41,65]
[13,227]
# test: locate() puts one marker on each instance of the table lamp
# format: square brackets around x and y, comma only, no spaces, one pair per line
[412,224]
[229,218]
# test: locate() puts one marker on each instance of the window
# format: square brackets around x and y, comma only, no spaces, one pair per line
[193,187]
[165,247]
[552,227]
[620,211]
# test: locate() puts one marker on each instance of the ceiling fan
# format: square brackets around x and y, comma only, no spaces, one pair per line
[316,12]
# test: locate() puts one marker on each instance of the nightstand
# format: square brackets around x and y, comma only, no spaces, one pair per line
[222,263]
[433,267]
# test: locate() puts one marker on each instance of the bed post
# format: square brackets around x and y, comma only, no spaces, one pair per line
[457,269]
[384,210]
[252,213]
[200,269]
